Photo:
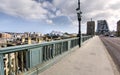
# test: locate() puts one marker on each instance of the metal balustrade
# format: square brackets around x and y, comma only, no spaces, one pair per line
[19,59]
[84,38]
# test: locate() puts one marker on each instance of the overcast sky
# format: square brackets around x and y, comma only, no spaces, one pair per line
[60,15]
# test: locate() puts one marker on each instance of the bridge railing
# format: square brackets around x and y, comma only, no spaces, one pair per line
[84,38]
[19,59]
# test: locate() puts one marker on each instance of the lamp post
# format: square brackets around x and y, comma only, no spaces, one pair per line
[79,21]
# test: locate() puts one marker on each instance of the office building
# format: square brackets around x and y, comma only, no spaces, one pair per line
[118,28]
[102,27]
[90,28]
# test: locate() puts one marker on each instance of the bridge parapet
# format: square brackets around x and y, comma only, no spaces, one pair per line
[19,60]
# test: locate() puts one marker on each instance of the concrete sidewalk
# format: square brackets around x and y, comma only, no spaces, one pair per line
[91,59]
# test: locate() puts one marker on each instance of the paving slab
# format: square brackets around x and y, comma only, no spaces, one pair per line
[90,59]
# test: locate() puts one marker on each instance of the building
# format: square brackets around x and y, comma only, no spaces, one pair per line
[90,27]
[102,27]
[5,35]
[7,58]
[2,43]
[118,28]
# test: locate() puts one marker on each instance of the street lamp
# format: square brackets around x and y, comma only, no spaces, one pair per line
[79,21]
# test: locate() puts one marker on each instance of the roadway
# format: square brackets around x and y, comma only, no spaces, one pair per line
[113,46]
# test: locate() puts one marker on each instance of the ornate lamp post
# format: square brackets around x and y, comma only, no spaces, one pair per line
[79,21]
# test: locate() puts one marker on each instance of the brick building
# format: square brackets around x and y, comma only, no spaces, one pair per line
[5,35]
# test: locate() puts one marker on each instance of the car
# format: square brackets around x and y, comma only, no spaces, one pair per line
[111,35]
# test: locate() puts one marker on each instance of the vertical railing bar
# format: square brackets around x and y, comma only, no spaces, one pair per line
[9,63]
[22,62]
[1,65]
[50,51]
[57,48]
[45,53]
[27,59]
[53,50]
[62,47]
[66,45]
[16,62]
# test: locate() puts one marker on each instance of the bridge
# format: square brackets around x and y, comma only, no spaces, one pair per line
[61,57]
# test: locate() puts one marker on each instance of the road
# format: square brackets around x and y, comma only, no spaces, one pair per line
[113,46]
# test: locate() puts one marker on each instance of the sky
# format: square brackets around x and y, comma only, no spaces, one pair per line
[59,15]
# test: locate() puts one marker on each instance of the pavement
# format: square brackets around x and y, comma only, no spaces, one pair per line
[91,59]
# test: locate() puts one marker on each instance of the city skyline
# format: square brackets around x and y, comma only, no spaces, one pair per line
[49,15]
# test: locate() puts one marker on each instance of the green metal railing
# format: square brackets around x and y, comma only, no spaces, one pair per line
[20,59]
[84,38]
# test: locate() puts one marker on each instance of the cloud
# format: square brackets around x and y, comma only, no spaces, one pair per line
[96,9]
[51,9]
[27,9]
[23,8]
[49,21]
[102,9]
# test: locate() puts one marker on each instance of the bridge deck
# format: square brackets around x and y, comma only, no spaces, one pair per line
[91,59]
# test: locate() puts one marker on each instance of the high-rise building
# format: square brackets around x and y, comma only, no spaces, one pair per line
[90,27]
[102,27]
[118,28]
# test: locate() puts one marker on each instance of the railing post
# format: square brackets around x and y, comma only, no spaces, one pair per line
[69,43]
[1,65]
